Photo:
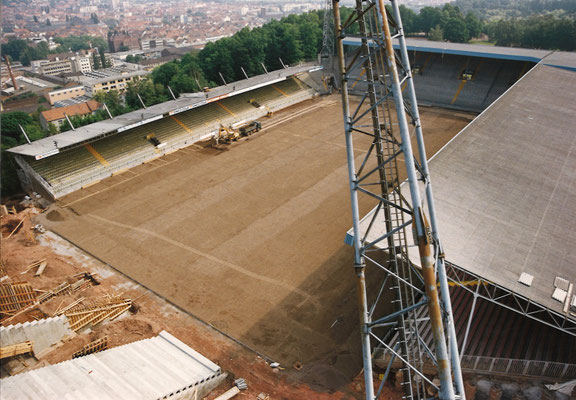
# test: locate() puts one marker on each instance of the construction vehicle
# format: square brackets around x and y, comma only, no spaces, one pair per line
[417,69]
[227,135]
[467,75]
[154,141]
[250,128]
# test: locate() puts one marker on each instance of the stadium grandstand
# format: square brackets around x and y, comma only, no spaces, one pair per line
[61,164]
[462,76]
[505,195]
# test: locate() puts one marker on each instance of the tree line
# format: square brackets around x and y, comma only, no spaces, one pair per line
[542,31]
[289,40]
[517,8]
[535,32]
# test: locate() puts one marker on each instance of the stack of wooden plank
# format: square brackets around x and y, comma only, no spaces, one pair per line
[83,315]
[16,349]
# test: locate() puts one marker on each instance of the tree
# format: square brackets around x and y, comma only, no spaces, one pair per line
[42,50]
[409,18]
[14,48]
[456,31]
[113,101]
[473,24]
[150,93]
[123,48]
[164,73]
[26,58]
[436,34]
[429,18]
[96,61]
[10,122]
[35,19]
[48,23]
[104,62]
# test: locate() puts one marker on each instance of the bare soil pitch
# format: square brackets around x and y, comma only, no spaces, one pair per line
[249,239]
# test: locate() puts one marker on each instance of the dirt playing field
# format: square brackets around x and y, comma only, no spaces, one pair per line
[249,239]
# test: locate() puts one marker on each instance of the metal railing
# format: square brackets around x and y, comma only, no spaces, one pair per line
[505,366]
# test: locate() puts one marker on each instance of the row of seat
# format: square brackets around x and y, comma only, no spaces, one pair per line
[116,151]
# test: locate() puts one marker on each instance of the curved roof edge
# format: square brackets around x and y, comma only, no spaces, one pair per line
[559,59]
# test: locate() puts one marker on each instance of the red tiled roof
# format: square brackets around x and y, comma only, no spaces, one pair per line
[77,109]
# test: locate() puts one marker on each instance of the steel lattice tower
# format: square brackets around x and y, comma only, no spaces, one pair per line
[382,76]
[327,50]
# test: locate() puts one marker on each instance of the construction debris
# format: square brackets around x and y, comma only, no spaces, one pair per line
[41,268]
[3,274]
[15,229]
[81,315]
[92,347]
[30,238]
[15,297]
[16,349]
[60,311]
[39,228]
[85,280]
[34,264]
[239,385]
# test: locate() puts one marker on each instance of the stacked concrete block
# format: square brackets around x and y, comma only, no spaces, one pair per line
[43,333]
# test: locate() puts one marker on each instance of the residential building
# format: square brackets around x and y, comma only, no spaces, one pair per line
[64,94]
[57,116]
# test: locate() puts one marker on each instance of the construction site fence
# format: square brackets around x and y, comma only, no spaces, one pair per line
[88,178]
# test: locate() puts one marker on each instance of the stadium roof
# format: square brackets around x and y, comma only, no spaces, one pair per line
[153,368]
[51,145]
[554,58]
[505,188]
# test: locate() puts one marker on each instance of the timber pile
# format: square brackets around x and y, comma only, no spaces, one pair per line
[84,281]
[92,347]
[15,297]
[83,315]
[16,349]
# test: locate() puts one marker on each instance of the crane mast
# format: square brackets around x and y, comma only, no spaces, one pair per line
[381,123]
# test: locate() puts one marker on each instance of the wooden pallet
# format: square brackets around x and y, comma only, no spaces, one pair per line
[15,296]
[16,349]
[92,347]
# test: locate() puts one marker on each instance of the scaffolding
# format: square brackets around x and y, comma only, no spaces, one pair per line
[377,179]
